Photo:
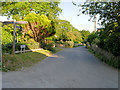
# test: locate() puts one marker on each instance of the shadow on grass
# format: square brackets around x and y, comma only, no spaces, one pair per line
[18,61]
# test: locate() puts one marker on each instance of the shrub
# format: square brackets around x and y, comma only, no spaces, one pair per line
[60,42]
[96,41]
[7,48]
[32,44]
[69,44]
[6,37]
[48,45]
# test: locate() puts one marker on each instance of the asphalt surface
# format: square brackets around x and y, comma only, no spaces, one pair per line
[69,68]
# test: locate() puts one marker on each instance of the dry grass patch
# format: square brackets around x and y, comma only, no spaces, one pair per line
[18,61]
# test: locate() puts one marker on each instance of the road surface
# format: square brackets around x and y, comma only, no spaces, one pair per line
[69,68]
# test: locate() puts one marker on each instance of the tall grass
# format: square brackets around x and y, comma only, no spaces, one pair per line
[106,57]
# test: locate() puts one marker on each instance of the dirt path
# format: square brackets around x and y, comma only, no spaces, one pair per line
[70,68]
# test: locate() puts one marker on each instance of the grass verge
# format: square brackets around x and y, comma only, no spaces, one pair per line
[77,46]
[111,62]
[19,61]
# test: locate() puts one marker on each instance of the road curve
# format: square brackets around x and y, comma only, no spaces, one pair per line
[69,68]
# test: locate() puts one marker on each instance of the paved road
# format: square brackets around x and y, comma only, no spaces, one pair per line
[70,68]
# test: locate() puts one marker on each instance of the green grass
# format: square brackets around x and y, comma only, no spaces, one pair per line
[18,61]
[77,46]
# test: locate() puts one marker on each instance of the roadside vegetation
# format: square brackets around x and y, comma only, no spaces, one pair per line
[20,61]
[106,57]
[105,42]
[43,30]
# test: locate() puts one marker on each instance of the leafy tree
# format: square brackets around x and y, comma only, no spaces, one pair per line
[70,36]
[65,31]
[85,34]
[38,27]
[18,10]
[109,15]
[78,36]
[108,11]
[6,37]
[91,37]
[110,39]
[62,27]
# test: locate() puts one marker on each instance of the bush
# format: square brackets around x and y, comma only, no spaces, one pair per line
[96,41]
[60,42]
[48,45]
[6,37]
[110,39]
[32,44]
[7,48]
[69,44]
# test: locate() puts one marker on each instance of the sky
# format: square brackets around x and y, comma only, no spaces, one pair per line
[70,12]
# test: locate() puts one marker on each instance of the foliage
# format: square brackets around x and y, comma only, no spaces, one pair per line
[66,32]
[85,34]
[32,44]
[70,36]
[96,41]
[38,27]
[105,56]
[109,15]
[91,37]
[110,39]
[69,44]
[6,37]
[60,42]
[107,11]
[7,48]
[62,27]
[18,10]
[48,45]
[78,36]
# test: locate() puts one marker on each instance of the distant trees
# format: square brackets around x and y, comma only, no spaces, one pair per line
[85,34]
[66,32]
[62,27]
[109,12]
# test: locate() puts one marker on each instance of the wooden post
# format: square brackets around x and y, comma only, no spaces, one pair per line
[14,38]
